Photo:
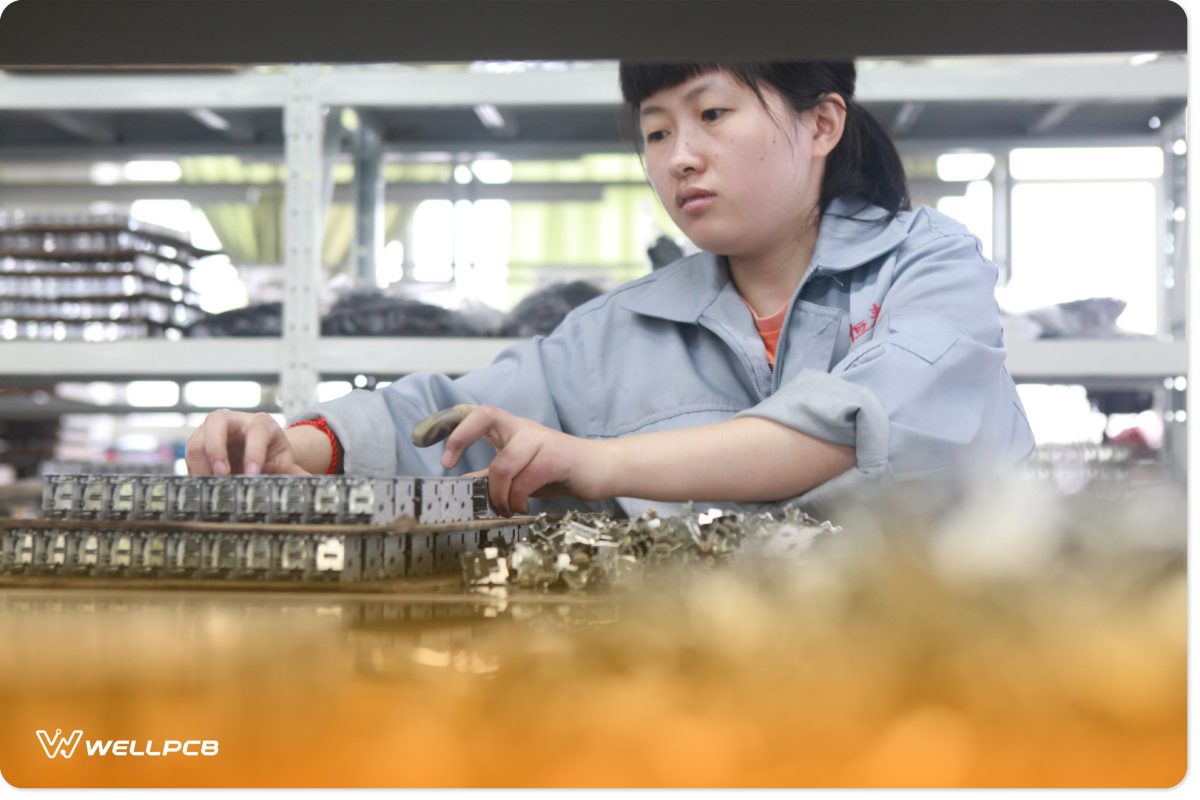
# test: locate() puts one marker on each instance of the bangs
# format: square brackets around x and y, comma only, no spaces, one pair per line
[639,81]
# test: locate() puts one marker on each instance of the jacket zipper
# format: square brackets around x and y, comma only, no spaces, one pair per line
[781,347]
[719,330]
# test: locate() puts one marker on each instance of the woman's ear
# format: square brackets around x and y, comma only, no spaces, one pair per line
[828,124]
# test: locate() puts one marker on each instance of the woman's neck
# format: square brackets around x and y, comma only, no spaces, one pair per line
[767,282]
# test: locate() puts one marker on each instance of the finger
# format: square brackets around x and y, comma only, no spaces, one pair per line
[259,433]
[531,478]
[505,467]
[436,427]
[535,480]
[485,422]
[282,464]
[193,454]
[216,441]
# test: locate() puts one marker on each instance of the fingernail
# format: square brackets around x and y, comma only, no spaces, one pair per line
[252,469]
[447,461]
[220,467]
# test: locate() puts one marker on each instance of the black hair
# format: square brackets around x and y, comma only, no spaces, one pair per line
[864,164]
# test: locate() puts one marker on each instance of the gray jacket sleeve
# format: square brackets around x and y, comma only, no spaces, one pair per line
[526,379]
[928,394]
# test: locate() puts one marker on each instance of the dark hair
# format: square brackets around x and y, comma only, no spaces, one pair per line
[865,163]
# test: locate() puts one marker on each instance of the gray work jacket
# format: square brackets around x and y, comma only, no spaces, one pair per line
[892,345]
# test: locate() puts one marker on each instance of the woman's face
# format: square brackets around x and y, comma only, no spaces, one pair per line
[735,180]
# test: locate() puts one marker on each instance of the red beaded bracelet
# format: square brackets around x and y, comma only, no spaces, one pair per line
[320,424]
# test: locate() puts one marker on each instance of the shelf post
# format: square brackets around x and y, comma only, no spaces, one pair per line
[304,229]
[368,203]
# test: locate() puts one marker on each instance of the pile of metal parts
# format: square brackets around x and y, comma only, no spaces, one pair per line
[339,527]
[578,551]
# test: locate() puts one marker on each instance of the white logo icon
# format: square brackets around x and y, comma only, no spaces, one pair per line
[59,745]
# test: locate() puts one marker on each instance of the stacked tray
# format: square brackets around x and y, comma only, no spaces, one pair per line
[93,278]
[308,528]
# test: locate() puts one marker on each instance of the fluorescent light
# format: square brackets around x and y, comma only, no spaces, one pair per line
[492,170]
[490,116]
[210,119]
[1142,58]
[152,171]
[462,174]
[105,173]
[222,394]
[1083,163]
[964,166]
[152,394]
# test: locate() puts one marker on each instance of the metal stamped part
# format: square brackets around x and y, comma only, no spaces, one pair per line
[249,501]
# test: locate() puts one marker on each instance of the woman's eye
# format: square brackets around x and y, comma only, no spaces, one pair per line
[710,114]
[654,136]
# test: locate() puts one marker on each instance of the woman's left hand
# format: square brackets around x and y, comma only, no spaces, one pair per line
[531,459]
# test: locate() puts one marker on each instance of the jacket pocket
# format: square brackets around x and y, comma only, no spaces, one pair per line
[926,336]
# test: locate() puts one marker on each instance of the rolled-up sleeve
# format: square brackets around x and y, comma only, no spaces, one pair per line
[530,379]
[928,393]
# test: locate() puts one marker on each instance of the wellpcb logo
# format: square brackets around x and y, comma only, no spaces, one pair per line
[59,745]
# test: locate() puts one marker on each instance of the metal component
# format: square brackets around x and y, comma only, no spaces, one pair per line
[293,499]
[445,500]
[481,499]
[581,551]
[420,555]
[150,500]
[255,499]
[258,556]
[122,496]
[236,549]
[60,496]
[152,555]
[326,499]
[94,502]
[185,498]
[485,567]
[295,555]
[220,498]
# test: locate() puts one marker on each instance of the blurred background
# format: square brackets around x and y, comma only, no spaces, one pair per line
[260,237]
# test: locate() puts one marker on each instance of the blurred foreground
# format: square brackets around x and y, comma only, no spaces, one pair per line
[1021,639]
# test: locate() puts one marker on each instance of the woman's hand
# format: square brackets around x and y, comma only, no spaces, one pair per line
[531,459]
[229,442]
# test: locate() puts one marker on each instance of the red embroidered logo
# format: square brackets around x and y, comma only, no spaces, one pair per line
[857,329]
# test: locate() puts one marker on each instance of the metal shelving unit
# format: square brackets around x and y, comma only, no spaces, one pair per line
[1039,93]
[1049,361]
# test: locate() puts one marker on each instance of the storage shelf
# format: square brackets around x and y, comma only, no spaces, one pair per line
[262,358]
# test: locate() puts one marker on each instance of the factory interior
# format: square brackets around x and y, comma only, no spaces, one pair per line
[260,237]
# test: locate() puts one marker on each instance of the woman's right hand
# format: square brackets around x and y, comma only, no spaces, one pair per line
[230,442]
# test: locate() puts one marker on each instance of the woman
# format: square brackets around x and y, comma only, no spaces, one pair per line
[826,339]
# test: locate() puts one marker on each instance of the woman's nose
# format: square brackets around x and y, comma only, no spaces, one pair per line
[685,158]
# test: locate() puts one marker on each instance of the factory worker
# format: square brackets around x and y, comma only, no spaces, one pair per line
[826,340]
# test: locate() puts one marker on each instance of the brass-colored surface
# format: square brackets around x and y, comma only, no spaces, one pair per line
[1012,645]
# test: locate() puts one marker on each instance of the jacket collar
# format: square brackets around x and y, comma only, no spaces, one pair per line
[684,290]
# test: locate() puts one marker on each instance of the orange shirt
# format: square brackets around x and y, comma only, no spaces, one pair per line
[768,329]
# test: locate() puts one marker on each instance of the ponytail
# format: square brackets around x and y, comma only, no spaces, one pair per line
[865,165]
